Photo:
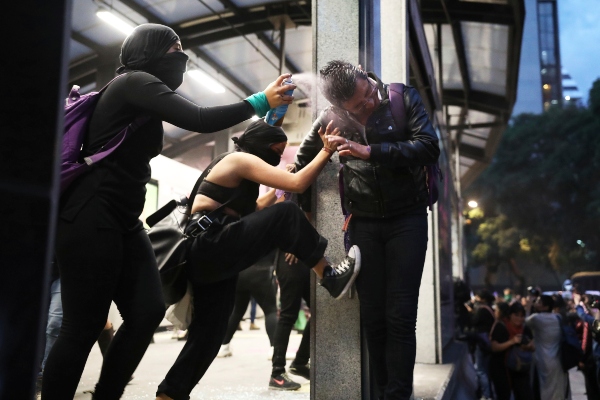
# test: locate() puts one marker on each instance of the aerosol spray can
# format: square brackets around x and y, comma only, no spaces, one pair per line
[275,115]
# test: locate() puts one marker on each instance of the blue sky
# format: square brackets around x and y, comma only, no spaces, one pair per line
[579,26]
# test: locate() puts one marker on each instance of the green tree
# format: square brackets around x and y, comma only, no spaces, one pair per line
[545,180]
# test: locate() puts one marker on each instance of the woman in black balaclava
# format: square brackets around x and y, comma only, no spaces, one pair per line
[243,229]
[102,249]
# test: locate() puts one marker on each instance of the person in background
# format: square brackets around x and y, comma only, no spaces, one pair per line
[510,331]
[256,282]
[586,307]
[102,249]
[508,295]
[482,320]
[549,377]
[243,228]
[253,326]
[294,285]
[385,193]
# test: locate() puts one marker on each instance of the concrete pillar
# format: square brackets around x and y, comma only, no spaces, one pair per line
[335,329]
[31,116]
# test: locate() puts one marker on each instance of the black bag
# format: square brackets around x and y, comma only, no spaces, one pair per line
[170,242]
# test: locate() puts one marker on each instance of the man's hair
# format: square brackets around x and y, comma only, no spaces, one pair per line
[485,295]
[516,308]
[338,81]
[547,302]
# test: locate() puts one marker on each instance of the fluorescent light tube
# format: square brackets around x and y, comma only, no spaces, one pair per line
[206,80]
[115,21]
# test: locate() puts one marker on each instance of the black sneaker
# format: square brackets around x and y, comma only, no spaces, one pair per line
[300,370]
[283,382]
[339,279]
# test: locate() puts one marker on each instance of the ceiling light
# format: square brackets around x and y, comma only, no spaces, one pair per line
[115,21]
[206,80]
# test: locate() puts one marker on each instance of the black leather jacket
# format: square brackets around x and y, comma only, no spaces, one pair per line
[392,182]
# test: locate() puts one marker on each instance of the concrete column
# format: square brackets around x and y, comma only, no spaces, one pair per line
[335,329]
[394,40]
[31,116]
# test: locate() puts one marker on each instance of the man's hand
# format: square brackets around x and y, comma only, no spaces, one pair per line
[348,148]
[291,259]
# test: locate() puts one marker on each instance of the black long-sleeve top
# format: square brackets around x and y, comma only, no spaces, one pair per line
[118,183]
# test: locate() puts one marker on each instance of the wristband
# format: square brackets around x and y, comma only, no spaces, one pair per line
[259,102]
[327,149]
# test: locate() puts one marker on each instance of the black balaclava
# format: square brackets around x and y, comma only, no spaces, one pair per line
[146,49]
[258,138]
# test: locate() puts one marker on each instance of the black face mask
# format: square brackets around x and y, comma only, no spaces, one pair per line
[170,69]
[267,155]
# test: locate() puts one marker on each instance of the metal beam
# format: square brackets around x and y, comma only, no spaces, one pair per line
[472,152]
[179,147]
[79,38]
[204,56]
[227,33]
[480,101]
[299,14]
[475,126]
[230,5]
[433,12]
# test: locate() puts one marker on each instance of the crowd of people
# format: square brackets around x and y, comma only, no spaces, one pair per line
[104,254]
[524,346]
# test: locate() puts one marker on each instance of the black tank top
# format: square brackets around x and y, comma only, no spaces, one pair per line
[245,195]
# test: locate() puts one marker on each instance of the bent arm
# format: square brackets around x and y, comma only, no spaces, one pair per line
[422,146]
[254,169]
[498,347]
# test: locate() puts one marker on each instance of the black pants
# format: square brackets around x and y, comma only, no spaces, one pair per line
[294,285]
[216,257]
[256,281]
[393,254]
[96,267]
[507,382]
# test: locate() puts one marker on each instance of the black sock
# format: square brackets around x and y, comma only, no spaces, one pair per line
[327,270]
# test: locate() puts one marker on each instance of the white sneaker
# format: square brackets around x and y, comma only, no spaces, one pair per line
[224,351]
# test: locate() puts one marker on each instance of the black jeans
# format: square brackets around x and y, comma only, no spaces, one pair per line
[294,285]
[393,254]
[96,267]
[213,304]
[216,258]
[230,245]
[256,281]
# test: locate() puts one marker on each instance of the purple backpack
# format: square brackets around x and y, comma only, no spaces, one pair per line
[433,172]
[78,113]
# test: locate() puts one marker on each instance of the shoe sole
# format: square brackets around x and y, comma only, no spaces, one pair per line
[299,374]
[354,275]
[282,389]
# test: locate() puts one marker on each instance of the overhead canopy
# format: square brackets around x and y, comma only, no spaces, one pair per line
[238,44]
[480,52]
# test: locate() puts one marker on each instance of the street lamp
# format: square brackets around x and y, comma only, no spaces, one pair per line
[472,204]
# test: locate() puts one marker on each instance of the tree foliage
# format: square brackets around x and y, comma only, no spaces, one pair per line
[543,186]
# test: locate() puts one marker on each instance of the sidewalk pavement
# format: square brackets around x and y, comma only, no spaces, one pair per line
[245,375]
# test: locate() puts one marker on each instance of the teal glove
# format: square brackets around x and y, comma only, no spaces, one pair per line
[260,103]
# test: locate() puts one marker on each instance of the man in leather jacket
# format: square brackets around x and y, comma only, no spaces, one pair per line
[385,192]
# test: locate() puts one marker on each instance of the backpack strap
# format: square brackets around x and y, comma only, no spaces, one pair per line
[396,94]
[116,140]
[433,172]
